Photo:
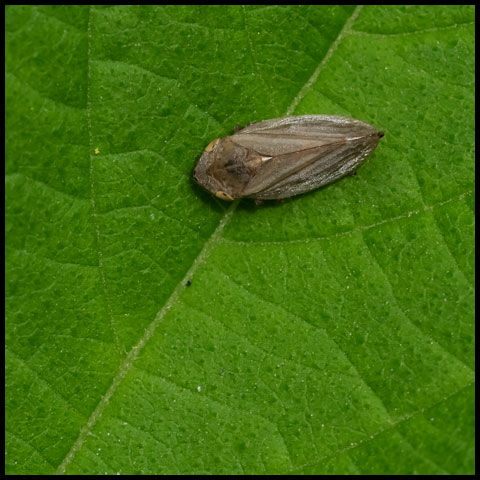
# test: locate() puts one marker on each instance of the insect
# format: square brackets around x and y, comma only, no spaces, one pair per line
[282,157]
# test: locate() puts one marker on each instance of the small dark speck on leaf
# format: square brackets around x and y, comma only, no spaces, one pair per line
[189,283]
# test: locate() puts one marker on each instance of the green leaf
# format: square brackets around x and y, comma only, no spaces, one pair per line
[331,334]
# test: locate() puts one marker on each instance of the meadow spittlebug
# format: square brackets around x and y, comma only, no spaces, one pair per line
[281,157]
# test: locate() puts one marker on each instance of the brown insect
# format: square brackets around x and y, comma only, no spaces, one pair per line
[281,157]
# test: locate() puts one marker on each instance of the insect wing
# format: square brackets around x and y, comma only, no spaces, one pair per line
[323,166]
[305,152]
[284,169]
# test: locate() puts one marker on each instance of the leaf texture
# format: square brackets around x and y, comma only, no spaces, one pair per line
[332,334]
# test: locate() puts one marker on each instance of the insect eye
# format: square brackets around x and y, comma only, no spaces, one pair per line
[224,196]
[211,145]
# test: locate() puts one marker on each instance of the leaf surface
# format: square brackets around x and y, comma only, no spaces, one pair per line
[153,329]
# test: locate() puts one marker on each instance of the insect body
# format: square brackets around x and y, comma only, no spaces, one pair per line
[287,156]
